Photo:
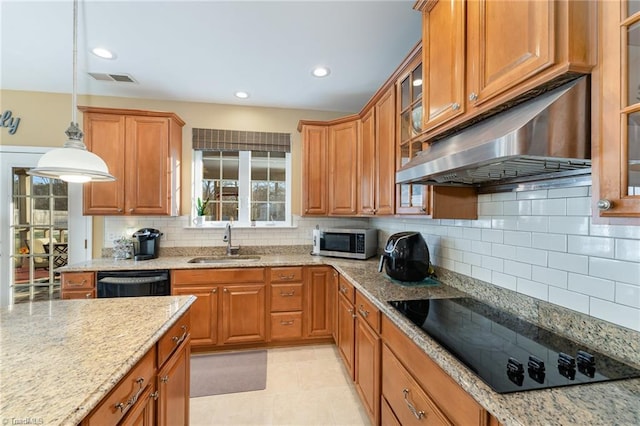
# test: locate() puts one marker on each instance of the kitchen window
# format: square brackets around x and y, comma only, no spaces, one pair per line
[249,185]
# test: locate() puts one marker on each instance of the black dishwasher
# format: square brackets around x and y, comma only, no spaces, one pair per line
[135,283]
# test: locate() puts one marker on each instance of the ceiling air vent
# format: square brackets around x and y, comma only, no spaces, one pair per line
[120,78]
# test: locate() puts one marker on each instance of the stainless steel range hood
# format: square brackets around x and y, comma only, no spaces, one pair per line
[544,139]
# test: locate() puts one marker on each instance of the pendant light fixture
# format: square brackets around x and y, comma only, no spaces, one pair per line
[72,162]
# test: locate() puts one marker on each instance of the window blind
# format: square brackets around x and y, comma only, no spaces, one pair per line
[240,140]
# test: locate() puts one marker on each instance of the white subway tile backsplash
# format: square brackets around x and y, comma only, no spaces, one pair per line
[550,207]
[492,263]
[492,236]
[552,277]
[627,294]
[628,250]
[490,208]
[505,222]
[462,268]
[579,206]
[625,316]
[531,195]
[591,246]
[533,223]
[569,299]
[517,208]
[616,231]
[472,233]
[553,242]
[590,286]
[569,262]
[482,222]
[532,256]
[472,259]
[617,270]
[481,273]
[533,289]
[503,196]
[517,238]
[519,269]
[569,225]
[576,191]
[503,251]
[504,280]
[480,247]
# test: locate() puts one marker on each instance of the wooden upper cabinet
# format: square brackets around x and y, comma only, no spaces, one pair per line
[314,170]
[385,153]
[616,136]
[143,151]
[443,59]
[343,152]
[481,54]
[367,165]
[376,158]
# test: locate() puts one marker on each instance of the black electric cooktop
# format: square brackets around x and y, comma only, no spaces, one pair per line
[507,353]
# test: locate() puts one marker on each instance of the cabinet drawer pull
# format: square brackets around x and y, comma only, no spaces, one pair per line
[154,395]
[88,296]
[177,340]
[343,290]
[363,311]
[289,294]
[418,414]
[77,283]
[287,277]
[124,406]
[290,322]
[351,312]
[164,379]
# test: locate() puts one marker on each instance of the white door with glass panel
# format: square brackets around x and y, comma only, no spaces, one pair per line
[41,228]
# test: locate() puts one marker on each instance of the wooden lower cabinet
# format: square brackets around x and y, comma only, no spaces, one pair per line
[204,313]
[77,285]
[156,390]
[174,387]
[367,368]
[319,321]
[430,389]
[346,324]
[243,313]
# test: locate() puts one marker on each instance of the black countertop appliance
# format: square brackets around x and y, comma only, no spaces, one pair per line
[147,244]
[406,257]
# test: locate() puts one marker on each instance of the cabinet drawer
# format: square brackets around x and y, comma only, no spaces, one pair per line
[209,276]
[173,337]
[407,400]
[346,289]
[367,311]
[286,297]
[77,281]
[387,417]
[286,274]
[286,325]
[130,388]
[78,294]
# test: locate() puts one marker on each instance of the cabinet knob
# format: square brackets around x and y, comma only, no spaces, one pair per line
[131,210]
[215,290]
[119,210]
[154,395]
[164,379]
[604,204]
[88,295]
[473,96]
[455,106]
[226,290]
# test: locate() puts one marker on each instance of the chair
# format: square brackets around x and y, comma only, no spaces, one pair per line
[37,246]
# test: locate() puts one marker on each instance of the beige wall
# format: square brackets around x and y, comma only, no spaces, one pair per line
[45,116]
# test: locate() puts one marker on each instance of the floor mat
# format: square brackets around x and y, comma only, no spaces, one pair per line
[228,373]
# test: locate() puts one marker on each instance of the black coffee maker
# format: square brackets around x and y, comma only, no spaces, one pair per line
[146,244]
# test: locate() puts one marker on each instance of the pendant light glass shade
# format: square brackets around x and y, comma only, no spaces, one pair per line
[72,162]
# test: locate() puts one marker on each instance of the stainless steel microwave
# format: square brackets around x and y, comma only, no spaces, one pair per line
[348,242]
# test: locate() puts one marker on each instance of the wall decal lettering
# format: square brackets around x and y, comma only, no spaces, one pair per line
[7,120]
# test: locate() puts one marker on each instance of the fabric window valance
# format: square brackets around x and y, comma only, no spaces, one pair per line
[240,140]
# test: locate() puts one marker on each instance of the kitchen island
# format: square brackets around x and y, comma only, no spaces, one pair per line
[60,359]
[616,402]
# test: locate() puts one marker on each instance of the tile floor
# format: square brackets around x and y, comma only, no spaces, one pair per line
[305,386]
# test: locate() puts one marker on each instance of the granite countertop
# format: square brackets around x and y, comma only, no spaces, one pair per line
[616,402]
[59,359]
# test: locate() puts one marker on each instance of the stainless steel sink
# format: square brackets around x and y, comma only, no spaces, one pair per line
[225,259]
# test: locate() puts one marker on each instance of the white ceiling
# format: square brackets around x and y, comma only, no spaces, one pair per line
[204,51]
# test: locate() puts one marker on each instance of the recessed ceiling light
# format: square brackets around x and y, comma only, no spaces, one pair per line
[321,72]
[103,53]
[242,95]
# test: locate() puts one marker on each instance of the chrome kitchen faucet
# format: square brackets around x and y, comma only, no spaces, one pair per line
[231,250]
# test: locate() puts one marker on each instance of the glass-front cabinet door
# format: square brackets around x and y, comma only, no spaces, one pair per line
[619,139]
[410,199]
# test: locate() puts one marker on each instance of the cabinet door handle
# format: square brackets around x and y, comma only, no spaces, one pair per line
[290,322]
[604,204]
[343,290]
[164,379]
[289,294]
[473,96]
[455,106]
[154,395]
[418,414]
[363,311]
[76,283]
[119,210]
[124,406]
[225,290]
[286,277]
[88,296]
[351,312]
[215,290]
[177,340]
